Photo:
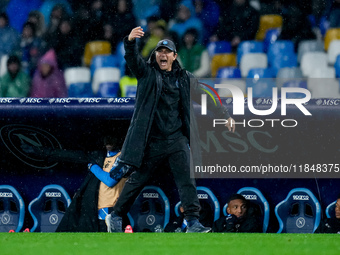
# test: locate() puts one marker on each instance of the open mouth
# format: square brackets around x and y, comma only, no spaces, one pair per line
[163,62]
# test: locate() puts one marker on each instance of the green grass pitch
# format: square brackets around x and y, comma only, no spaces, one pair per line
[168,243]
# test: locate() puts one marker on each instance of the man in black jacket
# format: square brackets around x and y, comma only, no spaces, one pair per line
[159,131]
[241,217]
[331,225]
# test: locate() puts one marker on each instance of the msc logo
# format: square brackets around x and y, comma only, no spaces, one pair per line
[15,137]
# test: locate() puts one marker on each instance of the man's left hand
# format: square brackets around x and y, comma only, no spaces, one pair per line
[230,124]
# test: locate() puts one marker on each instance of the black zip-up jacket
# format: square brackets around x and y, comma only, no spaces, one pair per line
[149,89]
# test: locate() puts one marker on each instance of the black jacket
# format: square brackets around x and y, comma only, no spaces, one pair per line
[329,225]
[82,214]
[251,223]
[148,92]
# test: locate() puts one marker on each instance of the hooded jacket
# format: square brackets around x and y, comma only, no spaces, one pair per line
[53,85]
[149,88]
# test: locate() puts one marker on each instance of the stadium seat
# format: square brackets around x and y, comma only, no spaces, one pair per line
[95,48]
[105,82]
[307,46]
[259,201]
[262,82]
[248,47]
[120,52]
[150,211]
[48,208]
[289,72]
[268,21]
[333,51]
[78,81]
[331,34]
[12,209]
[323,88]
[296,83]
[253,60]
[257,73]
[228,72]
[337,67]
[218,47]
[323,72]
[311,61]
[330,210]
[270,38]
[279,48]
[210,207]
[100,61]
[283,60]
[222,60]
[300,212]
[240,83]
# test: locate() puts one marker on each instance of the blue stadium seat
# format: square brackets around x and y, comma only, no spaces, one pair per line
[120,52]
[228,72]
[150,211]
[283,60]
[248,47]
[48,208]
[262,82]
[337,67]
[105,82]
[289,73]
[218,47]
[103,61]
[78,82]
[256,197]
[297,83]
[270,38]
[261,73]
[12,209]
[300,212]
[330,210]
[280,47]
[210,207]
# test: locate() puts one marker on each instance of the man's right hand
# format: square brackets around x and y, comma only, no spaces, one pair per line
[137,32]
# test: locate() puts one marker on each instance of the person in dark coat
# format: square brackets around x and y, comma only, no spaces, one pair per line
[238,22]
[331,225]
[159,131]
[242,217]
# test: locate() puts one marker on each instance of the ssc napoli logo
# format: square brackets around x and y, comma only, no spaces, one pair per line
[21,139]
[5,219]
[150,220]
[53,219]
[300,222]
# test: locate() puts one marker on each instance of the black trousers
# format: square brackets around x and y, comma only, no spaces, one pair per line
[174,154]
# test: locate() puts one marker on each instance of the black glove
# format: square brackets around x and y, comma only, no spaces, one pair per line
[230,222]
[120,170]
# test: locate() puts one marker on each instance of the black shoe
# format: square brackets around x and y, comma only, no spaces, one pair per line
[114,223]
[120,170]
[197,227]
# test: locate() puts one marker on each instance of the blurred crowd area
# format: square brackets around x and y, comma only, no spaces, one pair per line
[48,45]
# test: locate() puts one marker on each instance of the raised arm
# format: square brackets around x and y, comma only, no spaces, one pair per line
[133,59]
